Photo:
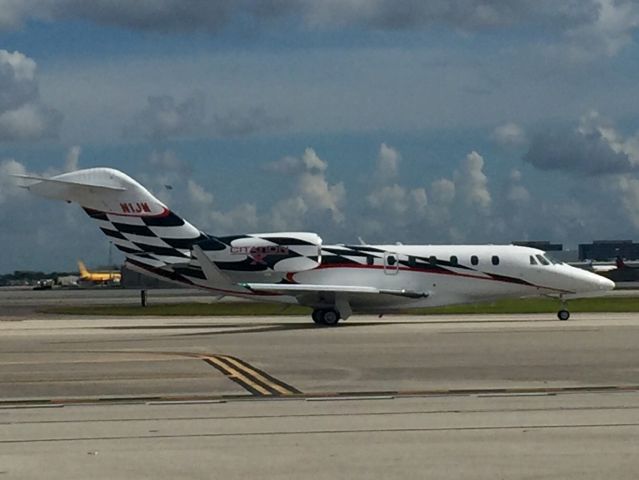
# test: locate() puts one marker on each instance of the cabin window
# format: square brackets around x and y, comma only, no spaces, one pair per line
[533,261]
[432,260]
[453,261]
[370,260]
[474,260]
[495,260]
[542,260]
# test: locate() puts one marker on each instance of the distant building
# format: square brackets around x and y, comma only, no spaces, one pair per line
[556,249]
[605,250]
[133,279]
[541,245]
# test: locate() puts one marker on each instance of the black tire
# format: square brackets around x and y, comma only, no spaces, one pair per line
[563,315]
[330,317]
[327,317]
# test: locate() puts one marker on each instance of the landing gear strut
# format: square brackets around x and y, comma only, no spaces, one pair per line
[563,314]
[326,316]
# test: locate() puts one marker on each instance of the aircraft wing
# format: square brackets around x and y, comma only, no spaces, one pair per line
[307,294]
[293,289]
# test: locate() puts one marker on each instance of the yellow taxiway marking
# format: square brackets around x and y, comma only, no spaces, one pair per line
[236,374]
[275,386]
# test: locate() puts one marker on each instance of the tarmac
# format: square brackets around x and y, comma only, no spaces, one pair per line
[446,397]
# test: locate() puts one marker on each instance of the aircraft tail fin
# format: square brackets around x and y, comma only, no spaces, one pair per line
[135,221]
[84,273]
[620,262]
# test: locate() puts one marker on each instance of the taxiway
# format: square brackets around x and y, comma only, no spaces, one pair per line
[512,396]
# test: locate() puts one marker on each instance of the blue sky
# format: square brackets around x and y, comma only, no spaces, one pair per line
[417,121]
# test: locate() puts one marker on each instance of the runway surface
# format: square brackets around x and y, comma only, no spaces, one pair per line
[511,396]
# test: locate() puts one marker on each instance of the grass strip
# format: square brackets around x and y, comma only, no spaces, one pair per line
[183,309]
[528,305]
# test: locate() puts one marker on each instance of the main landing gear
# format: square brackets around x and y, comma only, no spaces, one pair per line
[326,316]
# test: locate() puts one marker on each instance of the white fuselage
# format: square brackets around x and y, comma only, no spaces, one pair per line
[501,271]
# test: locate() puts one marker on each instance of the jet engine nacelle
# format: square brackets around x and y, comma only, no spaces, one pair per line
[279,252]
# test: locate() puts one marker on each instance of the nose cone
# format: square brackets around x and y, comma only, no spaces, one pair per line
[595,283]
[605,284]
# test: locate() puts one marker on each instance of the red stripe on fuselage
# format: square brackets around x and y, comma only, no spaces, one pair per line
[442,271]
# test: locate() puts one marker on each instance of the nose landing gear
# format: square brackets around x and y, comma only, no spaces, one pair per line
[563,314]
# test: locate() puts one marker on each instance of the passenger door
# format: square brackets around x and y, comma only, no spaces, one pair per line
[391,263]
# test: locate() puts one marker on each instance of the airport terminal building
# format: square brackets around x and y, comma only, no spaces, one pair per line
[604,250]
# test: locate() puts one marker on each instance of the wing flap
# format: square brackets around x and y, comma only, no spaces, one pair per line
[292,289]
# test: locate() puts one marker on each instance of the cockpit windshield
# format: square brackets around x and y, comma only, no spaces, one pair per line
[542,260]
[545,259]
[552,259]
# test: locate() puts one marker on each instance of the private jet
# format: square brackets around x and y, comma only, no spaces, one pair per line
[297,268]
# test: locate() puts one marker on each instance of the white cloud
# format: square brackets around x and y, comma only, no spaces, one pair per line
[284,165]
[318,193]
[17,80]
[165,117]
[472,183]
[198,195]
[594,147]
[510,135]
[8,185]
[388,162]
[443,191]
[611,31]
[289,214]
[308,162]
[419,199]
[398,201]
[241,219]
[22,115]
[172,181]
[312,162]
[391,198]
[29,122]
[516,192]
[593,124]
[628,189]
[73,159]
[312,191]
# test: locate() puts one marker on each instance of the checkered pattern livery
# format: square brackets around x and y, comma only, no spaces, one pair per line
[162,244]
[159,244]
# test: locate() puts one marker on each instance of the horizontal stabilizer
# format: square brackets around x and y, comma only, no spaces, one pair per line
[105,190]
[36,181]
[293,289]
